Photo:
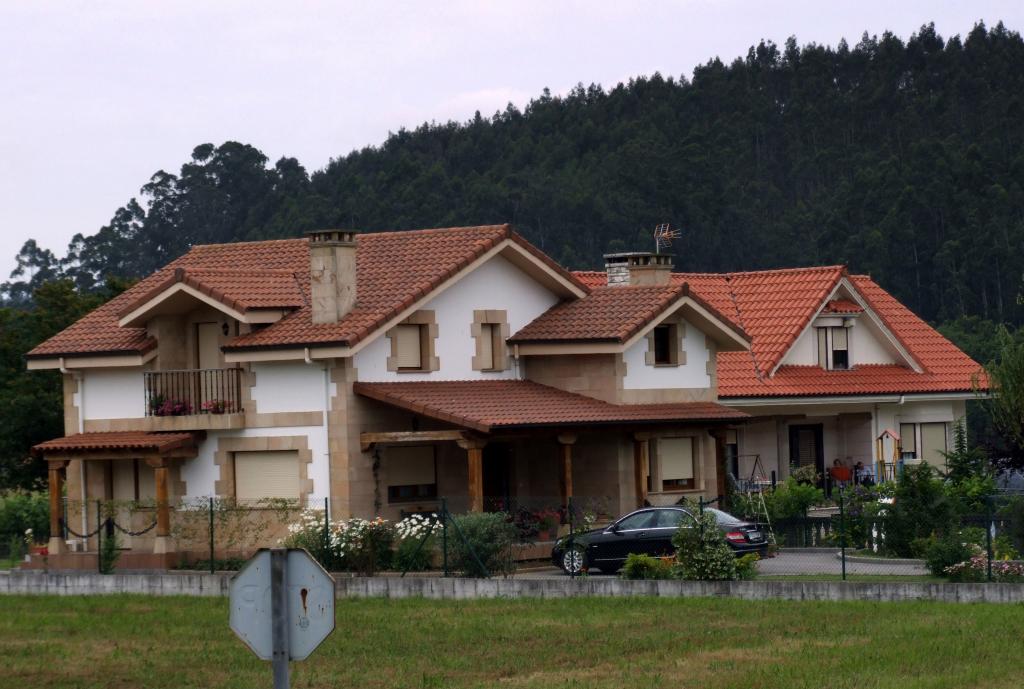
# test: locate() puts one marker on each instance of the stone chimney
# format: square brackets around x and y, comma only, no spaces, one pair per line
[332,273]
[638,268]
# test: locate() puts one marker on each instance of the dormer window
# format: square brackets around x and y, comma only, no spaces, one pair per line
[665,345]
[834,348]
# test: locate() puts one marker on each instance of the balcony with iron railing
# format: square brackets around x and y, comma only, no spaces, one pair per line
[194,398]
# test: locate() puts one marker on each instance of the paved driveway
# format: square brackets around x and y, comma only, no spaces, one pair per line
[794,562]
[817,561]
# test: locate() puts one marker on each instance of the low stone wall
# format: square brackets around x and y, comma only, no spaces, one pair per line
[27,582]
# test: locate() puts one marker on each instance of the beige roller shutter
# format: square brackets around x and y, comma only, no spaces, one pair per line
[408,346]
[933,443]
[260,475]
[675,456]
[410,465]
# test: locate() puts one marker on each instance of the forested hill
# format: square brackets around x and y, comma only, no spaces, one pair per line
[900,158]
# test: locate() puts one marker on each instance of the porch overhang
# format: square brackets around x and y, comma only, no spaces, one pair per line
[119,445]
[494,406]
[157,449]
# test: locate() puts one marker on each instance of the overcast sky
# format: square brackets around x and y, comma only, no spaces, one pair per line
[97,96]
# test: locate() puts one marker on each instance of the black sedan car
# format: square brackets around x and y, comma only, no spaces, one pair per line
[648,531]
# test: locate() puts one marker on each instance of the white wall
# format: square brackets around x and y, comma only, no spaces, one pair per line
[113,394]
[497,284]
[200,472]
[289,387]
[692,374]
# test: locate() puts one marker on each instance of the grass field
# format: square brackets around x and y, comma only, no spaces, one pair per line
[131,641]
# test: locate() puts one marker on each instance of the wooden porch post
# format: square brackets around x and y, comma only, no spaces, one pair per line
[566,440]
[721,486]
[56,543]
[475,463]
[163,513]
[641,448]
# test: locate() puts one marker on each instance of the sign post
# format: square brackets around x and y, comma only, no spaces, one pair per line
[282,607]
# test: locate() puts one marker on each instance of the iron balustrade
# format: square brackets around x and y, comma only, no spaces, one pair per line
[193,391]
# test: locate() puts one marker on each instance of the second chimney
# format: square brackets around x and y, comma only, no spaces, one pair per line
[332,274]
[638,268]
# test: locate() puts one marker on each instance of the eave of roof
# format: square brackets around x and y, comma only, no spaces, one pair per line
[492,405]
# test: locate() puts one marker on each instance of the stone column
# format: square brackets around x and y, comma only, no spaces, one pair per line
[566,441]
[56,543]
[162,544]
[475,485]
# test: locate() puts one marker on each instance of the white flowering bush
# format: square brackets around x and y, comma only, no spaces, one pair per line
[365,544]
[416,543]
[314,533]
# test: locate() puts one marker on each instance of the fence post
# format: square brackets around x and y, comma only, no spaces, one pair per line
[842,531]
[99,537]
[988,537]
[572,539]
[327,532]
[444,534]
[212,567]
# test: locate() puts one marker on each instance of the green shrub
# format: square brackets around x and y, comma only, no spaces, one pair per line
[702,553]
[792,498]
[920,509]
[746,566]
[110,551]
[20,511]
[411,557]
[1013,512]
[646,567]
[490,535]
[946,551]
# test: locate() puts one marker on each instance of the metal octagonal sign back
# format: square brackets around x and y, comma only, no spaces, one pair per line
[310,597]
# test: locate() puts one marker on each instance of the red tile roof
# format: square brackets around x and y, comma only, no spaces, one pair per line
[126,440]
[395,269]
[99,333]
[774,306]
[489,405]
[241,290]
[609,314]
[606,314]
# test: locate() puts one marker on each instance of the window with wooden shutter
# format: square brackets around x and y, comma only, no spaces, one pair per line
[409,347]
[263,475]
[933,443]
[487,348]
[675,459]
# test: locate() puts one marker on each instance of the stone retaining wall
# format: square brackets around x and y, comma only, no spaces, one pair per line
[17,582]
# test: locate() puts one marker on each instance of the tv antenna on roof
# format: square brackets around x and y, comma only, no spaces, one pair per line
[663,236]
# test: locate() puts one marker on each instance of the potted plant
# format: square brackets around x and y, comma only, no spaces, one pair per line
[172,407]
[547,524]
[216,406]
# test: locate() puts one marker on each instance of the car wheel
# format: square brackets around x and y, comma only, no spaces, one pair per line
[573,560]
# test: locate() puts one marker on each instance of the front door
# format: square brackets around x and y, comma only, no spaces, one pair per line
[806,448]
[497,477]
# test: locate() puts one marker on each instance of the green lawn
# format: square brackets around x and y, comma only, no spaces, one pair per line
[131,641]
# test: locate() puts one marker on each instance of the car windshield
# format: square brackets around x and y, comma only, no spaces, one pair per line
[723,518]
